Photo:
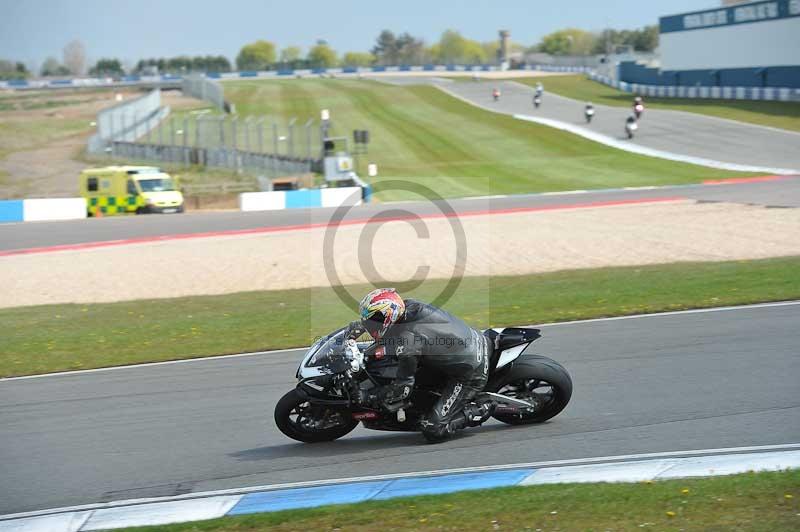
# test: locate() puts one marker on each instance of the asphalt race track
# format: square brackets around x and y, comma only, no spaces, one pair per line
[783,192]
[682,133]
[684,381]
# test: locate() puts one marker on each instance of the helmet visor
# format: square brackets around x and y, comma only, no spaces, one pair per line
[374,325]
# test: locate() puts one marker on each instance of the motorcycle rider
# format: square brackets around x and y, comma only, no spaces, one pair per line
[496,94]
[630,126]
[638,106]
[588,111]
[423,336]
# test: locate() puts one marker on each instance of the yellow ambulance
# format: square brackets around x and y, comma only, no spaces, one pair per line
[129,190]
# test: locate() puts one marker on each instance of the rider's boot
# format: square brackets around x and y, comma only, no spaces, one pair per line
[477,414]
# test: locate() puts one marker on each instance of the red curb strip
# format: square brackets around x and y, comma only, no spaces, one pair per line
[303,227]
[734,180]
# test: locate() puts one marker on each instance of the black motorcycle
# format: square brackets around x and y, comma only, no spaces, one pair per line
[335,374]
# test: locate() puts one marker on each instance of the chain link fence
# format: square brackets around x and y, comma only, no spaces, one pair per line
[142,130]
[257,145]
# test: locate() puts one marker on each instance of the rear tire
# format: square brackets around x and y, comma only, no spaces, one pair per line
[543,373]
[293,409]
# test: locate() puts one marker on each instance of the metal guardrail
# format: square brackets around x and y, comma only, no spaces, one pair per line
[783,94]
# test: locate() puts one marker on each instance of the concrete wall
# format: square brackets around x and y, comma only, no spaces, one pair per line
[290,199]
[31,210]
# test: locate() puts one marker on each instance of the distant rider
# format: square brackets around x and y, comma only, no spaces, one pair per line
[424,337]
[496,94]
[638,106]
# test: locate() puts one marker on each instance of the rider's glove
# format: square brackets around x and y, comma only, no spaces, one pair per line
[354,330]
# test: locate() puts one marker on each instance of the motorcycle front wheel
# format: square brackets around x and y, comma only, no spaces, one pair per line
[297,418]
[538,380]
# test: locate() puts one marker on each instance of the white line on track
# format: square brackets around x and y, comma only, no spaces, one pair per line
[327,482]
[272,352]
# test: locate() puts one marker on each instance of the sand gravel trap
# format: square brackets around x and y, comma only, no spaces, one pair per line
[507,244]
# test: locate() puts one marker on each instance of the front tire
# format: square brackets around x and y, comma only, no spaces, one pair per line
[301,421]
[536,379]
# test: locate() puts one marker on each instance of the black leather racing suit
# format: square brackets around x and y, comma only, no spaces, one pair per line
[429,338]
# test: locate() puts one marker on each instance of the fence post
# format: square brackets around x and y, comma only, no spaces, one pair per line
[260,135]
[222,131]
[274,138]
[185,140]
[235,144]
[308,137]
[247,133]
[291,136]
[197,126]
[234,135]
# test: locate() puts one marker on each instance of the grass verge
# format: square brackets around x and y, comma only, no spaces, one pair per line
[49,338]
[766,501]
[422,134]
[784,115]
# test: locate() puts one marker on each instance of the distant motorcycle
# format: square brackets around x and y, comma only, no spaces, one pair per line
[631,126]
[537,101]
[638,109]
[589,113]
[496,95]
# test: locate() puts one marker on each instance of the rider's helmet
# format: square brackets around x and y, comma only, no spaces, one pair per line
[588,104]
[380,309]
[638,99]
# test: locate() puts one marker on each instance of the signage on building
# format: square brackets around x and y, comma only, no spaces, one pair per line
[726,16]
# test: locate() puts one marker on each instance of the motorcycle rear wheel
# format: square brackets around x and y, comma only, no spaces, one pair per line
[539,380]
[296,418]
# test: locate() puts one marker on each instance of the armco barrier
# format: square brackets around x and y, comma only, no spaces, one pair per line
[783,94]
[293,199]
[36,210]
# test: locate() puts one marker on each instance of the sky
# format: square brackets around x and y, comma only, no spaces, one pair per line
[31,30]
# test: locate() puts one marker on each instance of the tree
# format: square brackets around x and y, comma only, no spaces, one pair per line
[385,49]
[491,49]
[454,48]
[107,67]
[642,40]
[321,56]
[75,57]
[410,50]
[570,41]
[11,70]
[646,39]
[51,67]
[358,59]
[291,55]
[259,55]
